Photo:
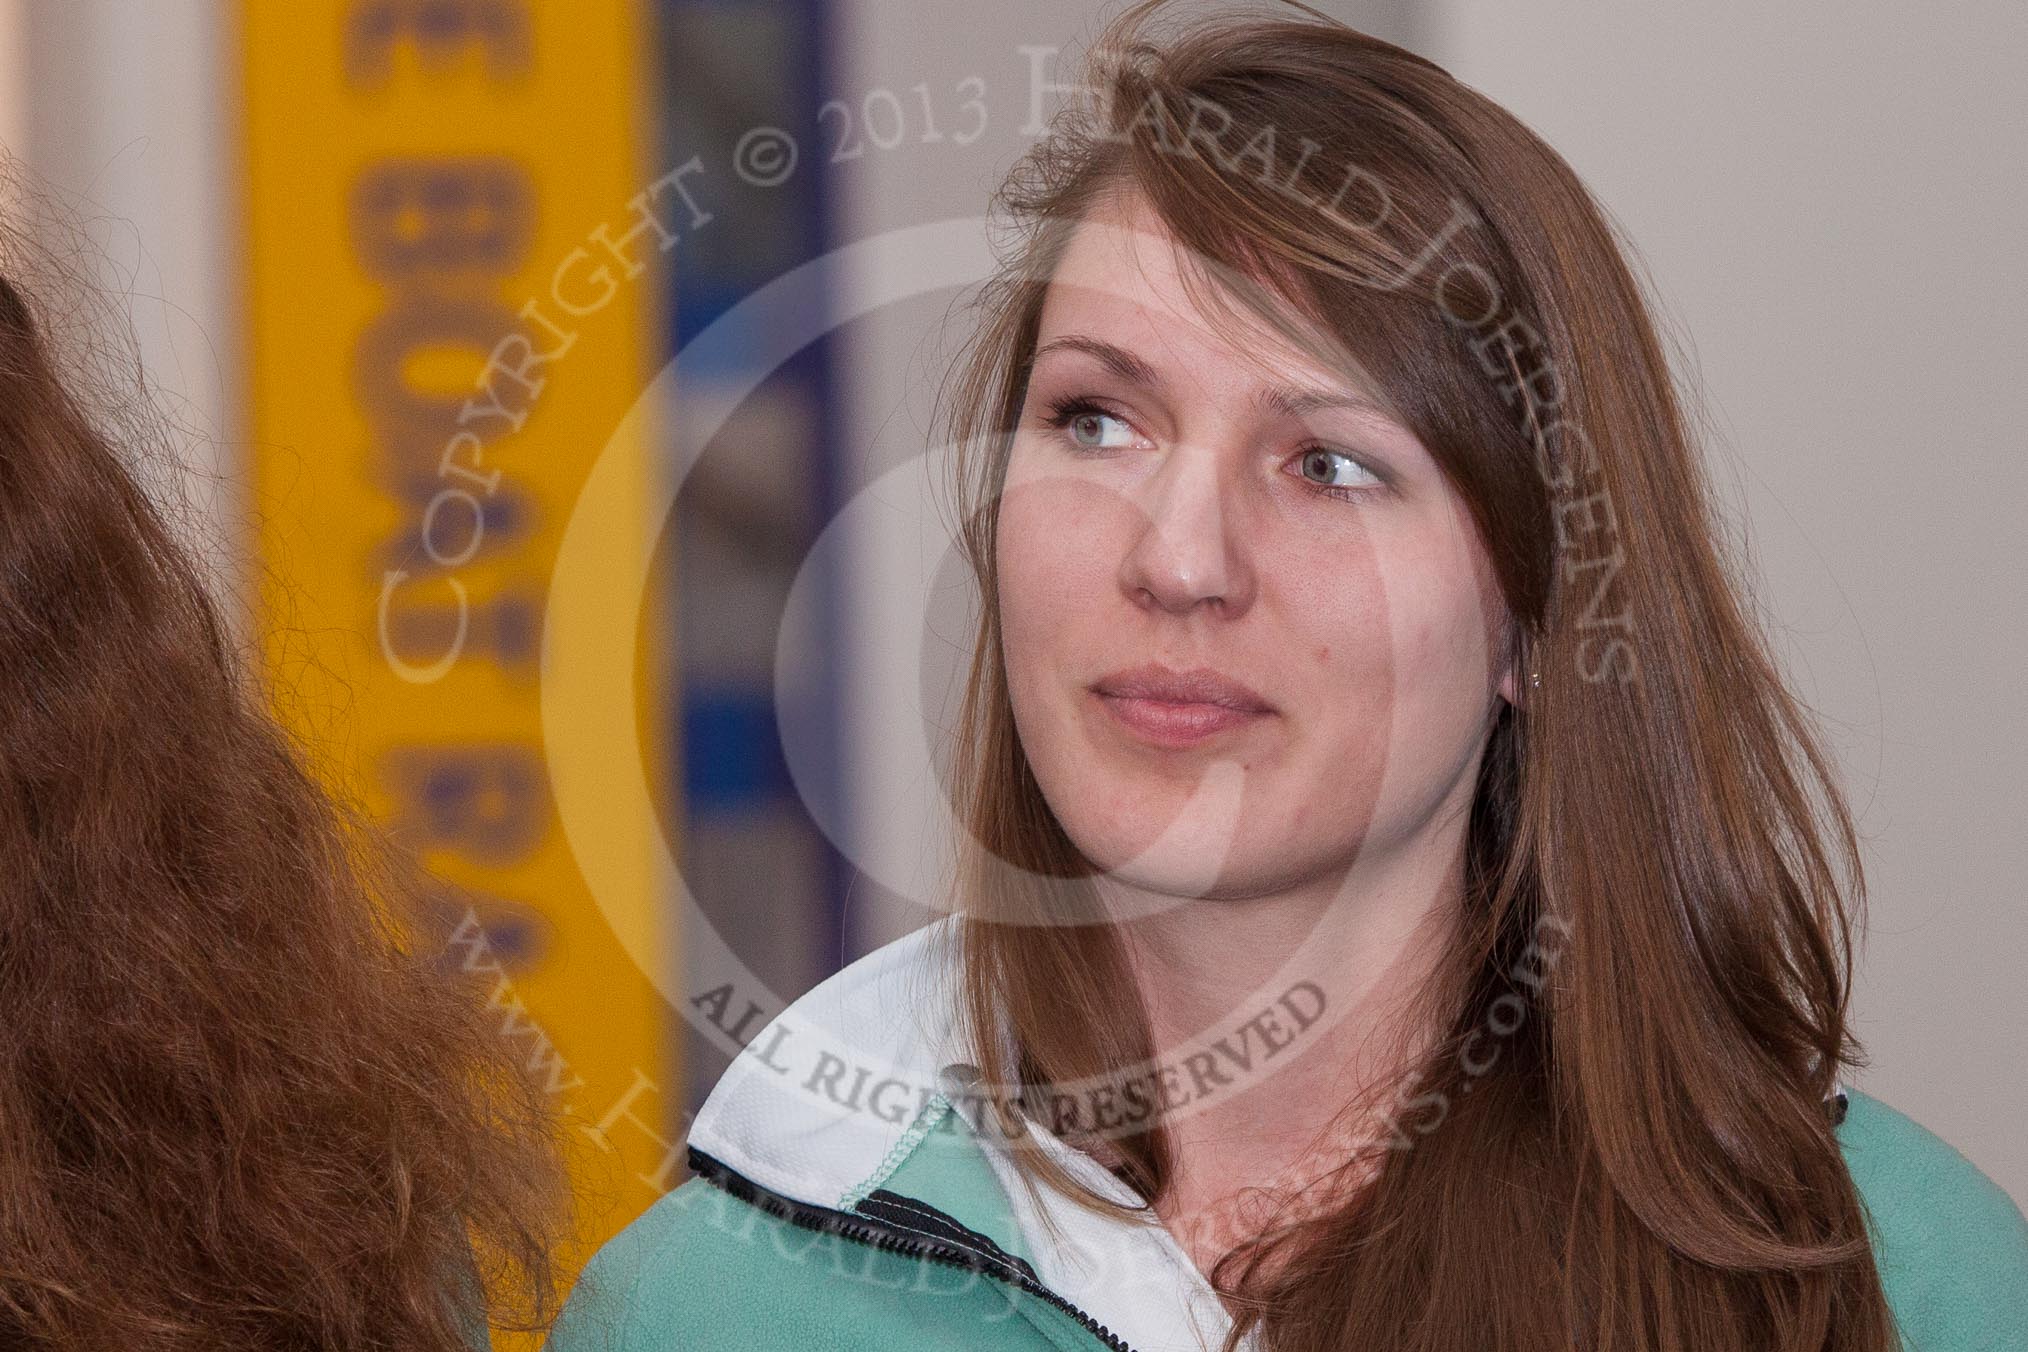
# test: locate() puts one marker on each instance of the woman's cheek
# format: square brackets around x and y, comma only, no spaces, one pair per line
[1060,549]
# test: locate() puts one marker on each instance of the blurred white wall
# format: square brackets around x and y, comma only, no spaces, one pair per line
[13,85]
[1830,201]
[121,113]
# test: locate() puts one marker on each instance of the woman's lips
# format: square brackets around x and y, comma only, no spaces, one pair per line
[1174,725]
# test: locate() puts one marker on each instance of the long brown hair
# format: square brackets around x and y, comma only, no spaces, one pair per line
[1651,1162]
[241,1105]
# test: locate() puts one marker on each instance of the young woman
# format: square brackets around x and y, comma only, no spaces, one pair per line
[1400,906]
[240,1107]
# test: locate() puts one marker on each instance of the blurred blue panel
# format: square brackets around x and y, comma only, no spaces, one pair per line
[732,757]
[729,66]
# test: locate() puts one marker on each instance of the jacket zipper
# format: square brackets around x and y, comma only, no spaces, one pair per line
[867,1230]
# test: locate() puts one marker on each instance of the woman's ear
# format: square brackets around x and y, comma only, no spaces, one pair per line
[1517,679]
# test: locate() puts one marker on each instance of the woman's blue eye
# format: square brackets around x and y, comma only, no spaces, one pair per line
[1087,428]
[1321,457]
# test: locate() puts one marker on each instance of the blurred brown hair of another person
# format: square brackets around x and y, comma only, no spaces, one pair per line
[241,1106]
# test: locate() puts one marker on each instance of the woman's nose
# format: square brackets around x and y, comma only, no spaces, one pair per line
[1187,549]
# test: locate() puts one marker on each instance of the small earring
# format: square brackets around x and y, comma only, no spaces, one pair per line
[1534,680]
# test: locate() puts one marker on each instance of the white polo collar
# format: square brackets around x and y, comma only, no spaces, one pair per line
[879,1038]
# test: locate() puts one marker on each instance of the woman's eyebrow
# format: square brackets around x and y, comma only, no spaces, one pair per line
[1283,399]
[1117,359]
[1294,403]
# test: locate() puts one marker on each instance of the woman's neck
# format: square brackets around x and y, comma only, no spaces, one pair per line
[1284,1024]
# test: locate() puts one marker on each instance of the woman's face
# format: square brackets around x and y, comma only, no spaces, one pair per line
[1184,496]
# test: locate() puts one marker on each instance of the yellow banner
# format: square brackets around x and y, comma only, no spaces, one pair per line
[426,400]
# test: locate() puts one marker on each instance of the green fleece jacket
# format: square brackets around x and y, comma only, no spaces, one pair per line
[930,1256]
